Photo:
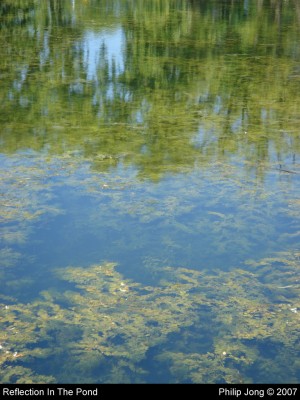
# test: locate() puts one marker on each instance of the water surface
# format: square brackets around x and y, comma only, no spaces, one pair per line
[150,191]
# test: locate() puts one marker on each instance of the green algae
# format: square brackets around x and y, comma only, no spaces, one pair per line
[8,257]
[109,324]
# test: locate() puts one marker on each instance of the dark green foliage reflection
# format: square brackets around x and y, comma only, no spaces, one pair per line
[159,84]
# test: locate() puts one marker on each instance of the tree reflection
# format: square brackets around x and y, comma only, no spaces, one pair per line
[165,82]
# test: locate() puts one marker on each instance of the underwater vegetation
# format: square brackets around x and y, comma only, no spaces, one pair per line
[200,327]
[187,325]
[189,211]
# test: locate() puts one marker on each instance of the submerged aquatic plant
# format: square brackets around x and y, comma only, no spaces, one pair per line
[103,329]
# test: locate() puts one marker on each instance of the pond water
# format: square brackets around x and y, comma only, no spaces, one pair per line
[149,191]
